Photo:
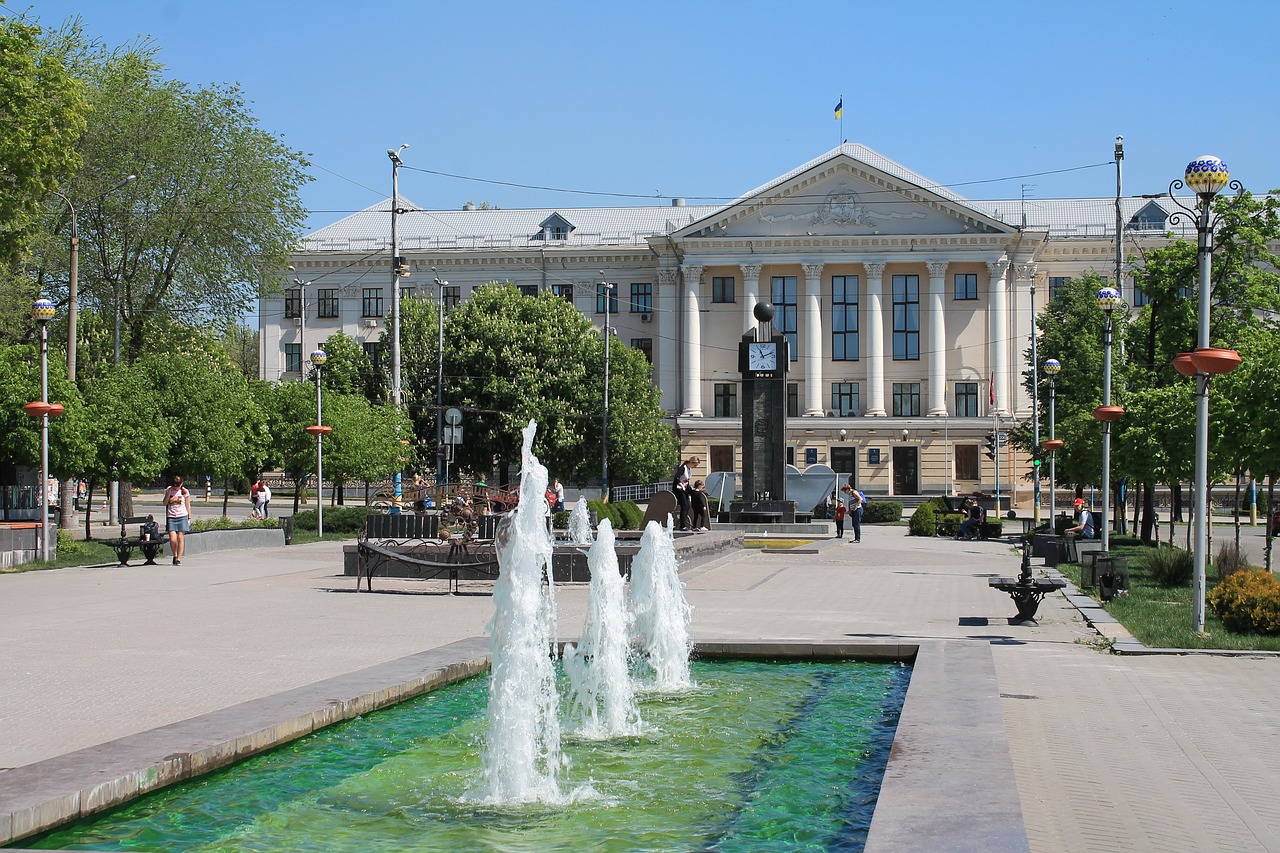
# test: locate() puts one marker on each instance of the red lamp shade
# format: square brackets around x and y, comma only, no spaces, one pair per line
[1051,444]
[36,409]
[1183,364]
[319,429]
[1108,413]
[1212,360]
[56,409]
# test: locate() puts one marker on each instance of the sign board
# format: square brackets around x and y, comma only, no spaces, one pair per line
[453,416]
[873,456]
[453,435]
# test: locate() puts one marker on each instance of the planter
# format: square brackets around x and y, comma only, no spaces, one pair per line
[1183,364]
[1215,361]
[207,541]
[1051,444]
[1108,413]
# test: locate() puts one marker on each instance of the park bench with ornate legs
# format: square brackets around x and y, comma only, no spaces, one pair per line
[457,552]
[124,545]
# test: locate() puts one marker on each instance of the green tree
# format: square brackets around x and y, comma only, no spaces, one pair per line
[510,358]
[43,115]
[19,385]
[290,408]
[216,200]
[348,370]
[366,440]
[129,437]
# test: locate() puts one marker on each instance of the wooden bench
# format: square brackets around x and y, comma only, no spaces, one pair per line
[124,546]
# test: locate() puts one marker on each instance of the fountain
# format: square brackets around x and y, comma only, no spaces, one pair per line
[580,524]
[601,696]
[522,749]
[661,613]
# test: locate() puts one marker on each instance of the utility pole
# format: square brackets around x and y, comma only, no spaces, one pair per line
[399,269]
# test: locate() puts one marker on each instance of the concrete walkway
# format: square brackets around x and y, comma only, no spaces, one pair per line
[1110,753]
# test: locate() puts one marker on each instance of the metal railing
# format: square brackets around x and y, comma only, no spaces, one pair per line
[638,492]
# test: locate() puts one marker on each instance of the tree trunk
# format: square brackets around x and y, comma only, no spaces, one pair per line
[126,499]
[226,496]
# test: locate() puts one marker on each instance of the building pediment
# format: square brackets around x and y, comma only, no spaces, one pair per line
[851,191]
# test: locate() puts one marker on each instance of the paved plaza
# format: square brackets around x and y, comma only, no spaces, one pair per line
[1110,752]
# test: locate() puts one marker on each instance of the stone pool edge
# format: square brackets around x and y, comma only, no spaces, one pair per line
[949,784]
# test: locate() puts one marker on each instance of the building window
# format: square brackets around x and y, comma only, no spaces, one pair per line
[371,302]
[793,400]
[966,285]
[1058,286]
[373,352]
[564,291]
[844,318]
[557,232]
[528,289]
[906,318]
[722,458]
[726,395]
[327,304]
[844,398]
[452,296]
[641,298]
[293,303]
[1139,298]
[644,345]
[784,300]
[906,399]
[966,400]
[606,295]
[407,293]
[293,358]
[967,462]
[722,288]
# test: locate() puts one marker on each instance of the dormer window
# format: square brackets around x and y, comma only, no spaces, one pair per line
[1151,217]
[555,227]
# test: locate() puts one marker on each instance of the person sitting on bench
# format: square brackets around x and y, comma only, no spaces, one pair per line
[971,527]
[1084,528]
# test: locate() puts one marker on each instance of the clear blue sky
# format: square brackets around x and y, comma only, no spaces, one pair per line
[707,100]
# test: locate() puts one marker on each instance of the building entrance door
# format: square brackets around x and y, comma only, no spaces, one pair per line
[906,471]
[844,461]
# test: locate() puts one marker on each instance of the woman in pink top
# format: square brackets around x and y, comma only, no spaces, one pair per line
[177,512]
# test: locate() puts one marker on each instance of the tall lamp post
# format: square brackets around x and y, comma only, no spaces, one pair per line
[399,270]
[442,457]
[1206,176]
[43,311]
[318,358]
[606,288]
[1108,299]
[1052,367]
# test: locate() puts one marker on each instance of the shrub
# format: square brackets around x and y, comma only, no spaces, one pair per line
[606,510]
[70,547]
[951,523]
[631,514]
[883,512]
[337,519]
[1169,566]
[224,523]
[1248,602]
[1229,560]
[922,521]
[560,520]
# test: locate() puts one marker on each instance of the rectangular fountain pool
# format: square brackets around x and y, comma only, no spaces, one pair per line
[759,756]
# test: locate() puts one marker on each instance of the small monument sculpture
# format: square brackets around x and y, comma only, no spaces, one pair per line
[763,363]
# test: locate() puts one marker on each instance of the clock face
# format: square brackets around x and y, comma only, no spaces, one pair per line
[762,356]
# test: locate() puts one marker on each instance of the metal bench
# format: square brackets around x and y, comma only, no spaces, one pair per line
[124,546]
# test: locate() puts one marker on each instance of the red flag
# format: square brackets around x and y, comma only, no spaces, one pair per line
[993,388]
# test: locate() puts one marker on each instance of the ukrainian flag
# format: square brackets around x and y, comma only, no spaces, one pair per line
[840,109]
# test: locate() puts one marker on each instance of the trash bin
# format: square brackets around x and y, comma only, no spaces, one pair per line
[286,524]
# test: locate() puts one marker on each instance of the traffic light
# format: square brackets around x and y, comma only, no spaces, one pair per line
[1037,457]
[991,445]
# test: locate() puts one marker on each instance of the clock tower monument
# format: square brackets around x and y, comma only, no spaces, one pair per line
[763,364]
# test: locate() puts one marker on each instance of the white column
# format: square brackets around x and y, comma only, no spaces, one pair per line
[812,341]
[750,294]
[998,334]
[666,316]
[1020,339]
[874,324]
[937,339]
[692,375]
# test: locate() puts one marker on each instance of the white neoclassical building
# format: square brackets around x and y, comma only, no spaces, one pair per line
[908,308]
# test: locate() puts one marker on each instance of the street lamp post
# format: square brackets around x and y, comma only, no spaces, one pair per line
[1052,367]
[1035,412]
[318,358]
[606,288]
[1108,299]
[442,458]
[399,270]
[1206,176]
[43,311]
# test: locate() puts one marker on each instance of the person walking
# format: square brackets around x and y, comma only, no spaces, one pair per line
[177,512]
[700,507]
[559,490]
[262,501]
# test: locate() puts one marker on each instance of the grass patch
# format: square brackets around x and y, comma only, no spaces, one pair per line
[1160,616]
[776,543]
